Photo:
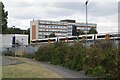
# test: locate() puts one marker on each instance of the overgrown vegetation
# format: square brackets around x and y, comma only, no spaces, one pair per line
[3,18]
[100,60]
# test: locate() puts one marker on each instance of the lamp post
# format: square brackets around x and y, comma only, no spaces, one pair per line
[14,36]
[22,45]
[86,21]
[14,40]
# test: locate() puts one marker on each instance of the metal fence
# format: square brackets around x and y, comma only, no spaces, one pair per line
[32,49]
[20,49]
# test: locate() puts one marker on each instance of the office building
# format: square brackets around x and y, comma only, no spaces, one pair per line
[43,28]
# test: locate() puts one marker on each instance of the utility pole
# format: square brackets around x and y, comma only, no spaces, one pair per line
[86,21]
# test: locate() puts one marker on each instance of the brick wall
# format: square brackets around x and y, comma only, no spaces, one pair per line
[33,31]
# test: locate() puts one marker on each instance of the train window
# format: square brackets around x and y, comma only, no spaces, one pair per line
[112,35]
[62,39]
[117,35]
[80,38]
[33,41]
[46,40]
[42,40]
[89,37]
[52,40]
[74,38]
[101,36]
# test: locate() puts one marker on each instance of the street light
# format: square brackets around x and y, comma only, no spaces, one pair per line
[14,40]
[86,21]
[14,36]
[14,30]
[22,44]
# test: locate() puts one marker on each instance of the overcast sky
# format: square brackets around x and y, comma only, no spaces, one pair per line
[102,12]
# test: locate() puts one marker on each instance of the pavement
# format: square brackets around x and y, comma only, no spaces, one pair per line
[63,72]
[8,61]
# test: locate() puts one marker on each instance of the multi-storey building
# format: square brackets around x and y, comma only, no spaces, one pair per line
[43,28]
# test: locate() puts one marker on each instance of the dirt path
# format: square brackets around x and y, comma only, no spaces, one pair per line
[8,61]
[64,72]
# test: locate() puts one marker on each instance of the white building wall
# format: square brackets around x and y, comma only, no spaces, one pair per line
[7,39]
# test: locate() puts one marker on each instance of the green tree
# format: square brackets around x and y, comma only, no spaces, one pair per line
[52,35]
[28,33]
[81,32]
[3,17]
[92,31]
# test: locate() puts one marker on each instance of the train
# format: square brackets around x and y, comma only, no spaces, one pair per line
[80,38]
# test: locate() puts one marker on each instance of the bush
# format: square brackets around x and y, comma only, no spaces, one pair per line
[98,60]
[101,62]
[30,56]
[8,53]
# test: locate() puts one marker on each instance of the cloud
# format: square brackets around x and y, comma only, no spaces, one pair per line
[104,14]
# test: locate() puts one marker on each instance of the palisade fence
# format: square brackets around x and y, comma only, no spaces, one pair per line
[18,50]
[28,49]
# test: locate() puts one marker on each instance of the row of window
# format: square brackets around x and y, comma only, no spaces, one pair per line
[50,22]
[52,30]
[46,33]
[69,32]
[50,26]
[84,29]
[69,27]
[42,34]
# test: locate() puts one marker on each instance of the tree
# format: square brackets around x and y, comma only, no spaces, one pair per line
[81,32]
[52,35]
[92,31]
[3,18]
[28,33]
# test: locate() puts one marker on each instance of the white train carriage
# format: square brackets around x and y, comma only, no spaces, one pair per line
[112,36]
[45,40]
[90,37]
[72,38]
[99,36]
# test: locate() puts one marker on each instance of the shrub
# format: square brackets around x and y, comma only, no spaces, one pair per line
[101,59]
[30,56]
[8,53]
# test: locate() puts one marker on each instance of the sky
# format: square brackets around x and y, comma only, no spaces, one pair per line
[104,13]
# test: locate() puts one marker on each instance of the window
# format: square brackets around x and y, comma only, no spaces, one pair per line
[101,36]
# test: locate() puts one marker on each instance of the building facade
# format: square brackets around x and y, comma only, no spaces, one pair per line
[42,28]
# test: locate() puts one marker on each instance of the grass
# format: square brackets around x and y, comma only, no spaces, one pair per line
[27,69]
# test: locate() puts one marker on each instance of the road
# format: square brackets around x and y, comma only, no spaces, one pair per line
[63,72]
